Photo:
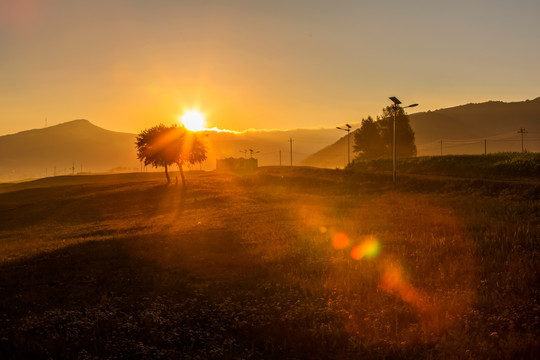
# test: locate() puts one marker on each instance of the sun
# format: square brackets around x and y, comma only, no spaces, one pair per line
[193,120]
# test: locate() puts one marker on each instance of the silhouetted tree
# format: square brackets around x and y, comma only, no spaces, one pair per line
[189,149]
[163,146]
[374,139]
[153,146]
[405,139]
[368,141]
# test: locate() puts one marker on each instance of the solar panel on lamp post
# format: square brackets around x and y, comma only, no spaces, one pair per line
[396,106]
[347,129]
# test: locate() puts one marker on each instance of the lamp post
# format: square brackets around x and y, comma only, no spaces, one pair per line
[347,129]
[396,106]
[251,152]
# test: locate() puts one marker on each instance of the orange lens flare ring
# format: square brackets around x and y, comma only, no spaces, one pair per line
[369,248]
[340,241]
[392,281]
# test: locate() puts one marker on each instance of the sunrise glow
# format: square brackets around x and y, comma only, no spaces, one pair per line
[193,120]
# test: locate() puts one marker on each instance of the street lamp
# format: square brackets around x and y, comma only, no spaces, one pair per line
[251,152]
[396,106]
[347,129]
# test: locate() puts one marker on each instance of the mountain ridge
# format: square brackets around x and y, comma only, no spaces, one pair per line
[101,150]
[87,147]
[460,129]
[38,152]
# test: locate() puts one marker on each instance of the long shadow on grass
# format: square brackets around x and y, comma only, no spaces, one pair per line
[139,298]
[122,278]
[133,267]
[85,204]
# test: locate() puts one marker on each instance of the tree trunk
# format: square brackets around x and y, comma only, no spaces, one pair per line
[182,175]
[167,175]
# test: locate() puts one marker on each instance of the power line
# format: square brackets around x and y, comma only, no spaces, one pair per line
[499,137]
[522,131]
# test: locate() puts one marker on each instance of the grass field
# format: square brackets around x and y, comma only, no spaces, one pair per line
[499,166]
[285,263]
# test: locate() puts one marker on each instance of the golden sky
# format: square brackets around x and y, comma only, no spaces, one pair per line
[126,65]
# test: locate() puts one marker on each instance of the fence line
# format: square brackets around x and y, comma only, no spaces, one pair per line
[489,144]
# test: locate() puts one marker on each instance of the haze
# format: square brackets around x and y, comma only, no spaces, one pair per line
[128,65]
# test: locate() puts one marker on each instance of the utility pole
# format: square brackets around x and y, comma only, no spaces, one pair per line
[347,129]
[441,147]
[396,106]
[279,157]
[485,146]
[522,131]
[73,168]
[291,141]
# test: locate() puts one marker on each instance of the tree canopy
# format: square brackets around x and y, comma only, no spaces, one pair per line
[374,139]
[166,145]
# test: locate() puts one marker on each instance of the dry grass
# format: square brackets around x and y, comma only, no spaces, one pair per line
[245,267]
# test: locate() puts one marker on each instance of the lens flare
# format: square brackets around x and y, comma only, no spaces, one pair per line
[393,281]
[340,240]
[369,248]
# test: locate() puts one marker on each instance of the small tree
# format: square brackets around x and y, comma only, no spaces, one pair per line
[164,146]
[189,149]
[374,139]
[153,147]
[367,140]
[405,139]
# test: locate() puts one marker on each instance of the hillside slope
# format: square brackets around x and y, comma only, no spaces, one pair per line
[462,130]
[88,148]
[56,149]
[495,121]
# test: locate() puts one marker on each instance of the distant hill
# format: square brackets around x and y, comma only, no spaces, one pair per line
[333,155]
[269,145]
[55,150]
[89,148]
[462,130]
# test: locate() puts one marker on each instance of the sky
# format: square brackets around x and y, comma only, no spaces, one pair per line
[127,65]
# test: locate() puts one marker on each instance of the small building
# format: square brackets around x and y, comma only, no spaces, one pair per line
[240,165]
